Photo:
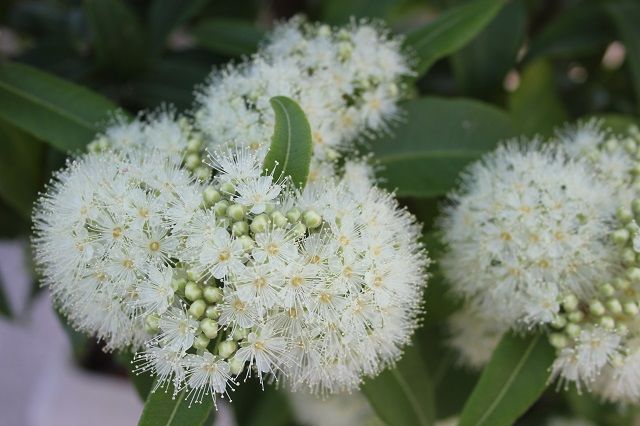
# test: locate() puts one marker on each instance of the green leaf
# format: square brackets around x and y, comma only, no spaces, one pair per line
[162,409]
[21,159]
[581,30]
[437,140]
[626,16]
[339,12]
[290,151]
[512,381]
[618,123]
[119,43]
[403,395]
[535,106]
[451,30]
[5,306]
[272,409]
[59,112]
[480,67]
[228,36]
[166,15]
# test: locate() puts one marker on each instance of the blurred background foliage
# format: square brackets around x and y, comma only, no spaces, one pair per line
[532,66]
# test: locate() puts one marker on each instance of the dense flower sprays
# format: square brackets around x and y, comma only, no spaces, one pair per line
[553,246]
[347,80]
[233,276]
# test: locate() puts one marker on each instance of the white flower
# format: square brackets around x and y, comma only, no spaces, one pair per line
[527,223]
[178,330]
[257,194]
[155,294]
[222,256]
[207,375]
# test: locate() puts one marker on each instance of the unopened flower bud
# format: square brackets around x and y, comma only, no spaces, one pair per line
[621,284]
[240,228]
[628,257]
[294,215]
[178,284]
[559,322]
[570,303]
[212,294]
[194,144]
[573,330]
[259,223]
[633,274]
[220,208]
[151,324]
[197,308]
[607,290]
[247,242]
[192,291]
[614,306]
[240,333]
[631,308]
[620,236]
[201,342]
[624,215]
[192,161]
[279,219]
[596,308]
[575,316]
[210,195]
[236,366]
[227,348]
[235,211]
[299,229]
[202,173]
[212,312]
[228,188]
[209,327]
[311,219]
[607,322]
[558,340]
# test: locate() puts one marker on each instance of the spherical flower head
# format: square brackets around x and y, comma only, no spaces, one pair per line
[526,225]
[317,287]
[102,227]
[347,80]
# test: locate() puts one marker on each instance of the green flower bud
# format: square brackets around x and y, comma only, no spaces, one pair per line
[607,290]
[247,242]
[630,146]
[575,316]
[573,330]
[209,327]
[201,342]
[559,322]
[227,348]
[220,208]
[194,144]
[628,257]
[151,324]
[299,230]
[192,161]
[240,333]
[635,207]
[311,219]
[236,366]
[192,291]
[621,284]
[212,312]
[622,329]
[631,308]
[228,188]
[611,145]
[240,228]
[294,215]
[624,215]
[202,173]
[279,219]
[210,196]
[235,211]
[633,274]
[614,306]
[597,308]
[607,322]
[259,223]
[621,236]
[212,294]
[197,308]
[192,275]
[558,340]
[178,284]
[570,303]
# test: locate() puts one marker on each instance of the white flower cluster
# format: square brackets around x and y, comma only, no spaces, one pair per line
[237,274]
[562,217]
[347,80]
[527,225]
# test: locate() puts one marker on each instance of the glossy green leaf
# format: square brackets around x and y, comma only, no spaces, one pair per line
[54,110]
[118,40]
[512,381]
[21,159]
[403,395]
[451,30]
[163,409]
[338,12]
[581,30]
[5,307]
[436,141]
[290,151]
[480,67]
[228,36]
[166,15]
[535,106]
[626,18]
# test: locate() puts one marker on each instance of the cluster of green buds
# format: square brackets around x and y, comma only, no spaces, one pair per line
[617,304]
